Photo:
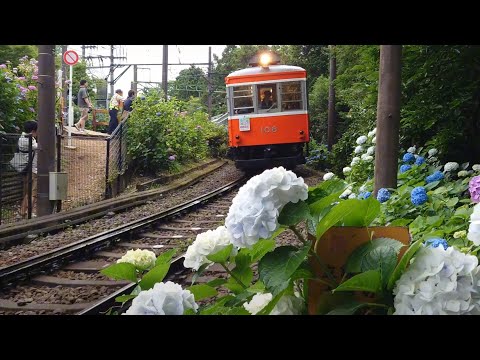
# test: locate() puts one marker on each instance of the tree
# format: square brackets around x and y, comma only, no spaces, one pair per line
[191,82]
[13,53]
[331,100]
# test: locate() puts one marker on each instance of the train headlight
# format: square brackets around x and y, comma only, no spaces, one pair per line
[265,60]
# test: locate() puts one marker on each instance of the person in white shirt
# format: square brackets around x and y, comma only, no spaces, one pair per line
[30,128]
[116,106]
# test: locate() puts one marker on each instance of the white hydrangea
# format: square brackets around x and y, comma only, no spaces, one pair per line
[371,150]
[439,282]
[328,176]
[205,244]
[352,196]
[373,132]
[287,305]
[345,194]
[462,173]
[374,140]
[255,209]
[476,167]
[368,158]
[346,169]
[358,149]
[432,159]
[361,140]
[432,152]
[355,161]
[141,259]
[474,228]
[163,299]
[459,234]
[451,166]
[412,149]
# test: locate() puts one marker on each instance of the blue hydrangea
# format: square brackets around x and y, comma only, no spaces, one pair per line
[420,160]
[436,242]
[404,168]
[408,158]
[419,196]
[436,176]
[364,195]
[383,195]
[158,113]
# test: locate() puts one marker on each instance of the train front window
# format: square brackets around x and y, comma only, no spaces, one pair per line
[243,99]
[291,93]
[267,98]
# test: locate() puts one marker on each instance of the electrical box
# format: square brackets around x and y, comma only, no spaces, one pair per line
[58,185]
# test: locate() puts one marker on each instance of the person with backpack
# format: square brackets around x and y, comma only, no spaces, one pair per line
[23,166]
[83,102]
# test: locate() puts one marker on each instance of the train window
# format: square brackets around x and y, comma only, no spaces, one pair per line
[291,93]
[267,98]
[243,99]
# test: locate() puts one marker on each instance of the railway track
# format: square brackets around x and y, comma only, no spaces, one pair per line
[67,280]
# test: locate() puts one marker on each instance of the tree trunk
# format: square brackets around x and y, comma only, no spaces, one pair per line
[332,126]
[388,117]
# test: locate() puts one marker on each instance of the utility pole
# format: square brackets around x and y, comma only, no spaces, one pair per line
[134,84]
[112,58]
[83,52]
[209,77]
[65,88]
[332,128]
[165,71]
[388,117]
[46,126]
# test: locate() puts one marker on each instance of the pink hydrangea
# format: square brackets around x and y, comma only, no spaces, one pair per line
[34,77]
[21,78]
[474,188]
[31,87]
[3,66]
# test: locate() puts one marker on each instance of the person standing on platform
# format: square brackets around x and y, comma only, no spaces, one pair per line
[116,108]
[84,104]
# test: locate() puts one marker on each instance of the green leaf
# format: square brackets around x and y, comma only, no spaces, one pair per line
[335,215]
[328,301]
[383,258]
[356,261]
[302,273]
[121,271]
[242,260]
[189,312]
[262,247]
[257,287]
[269,307]
[317,207]
[363,213]
[326,188]
[217,282]
[199,272]
[431,185]
[222,255]
[154,276]
[452,202]
[400,222]
[276,268]
[292,214]
[216,307]
[202,291]
[347,309]
[245,275]
[370,281]
[124,298]
[402,264]
[165,257]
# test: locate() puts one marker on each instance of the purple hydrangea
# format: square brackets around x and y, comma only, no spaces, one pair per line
[436,242]
[34,77]
[418,196]
[21,78]
[31,87]
[408,158]
[171,158]
[3,66]
[436,176]
[404,168]
[474,188]
[31,109]
[420,160]
[383,195]
[158,113]
[364,195]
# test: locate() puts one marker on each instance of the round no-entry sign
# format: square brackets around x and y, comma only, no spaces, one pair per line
[70,57]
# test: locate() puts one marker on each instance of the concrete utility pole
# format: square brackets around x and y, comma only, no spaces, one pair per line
[112,58]
[134,84]
[209,77]
[332,128]
[65,88]
[388,117]
[46,126]
[165,71]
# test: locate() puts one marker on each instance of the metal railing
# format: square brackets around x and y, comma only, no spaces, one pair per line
[116,160]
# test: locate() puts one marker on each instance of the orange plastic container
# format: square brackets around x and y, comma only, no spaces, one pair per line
[336,245]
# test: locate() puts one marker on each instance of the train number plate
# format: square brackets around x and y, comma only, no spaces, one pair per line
[244,123]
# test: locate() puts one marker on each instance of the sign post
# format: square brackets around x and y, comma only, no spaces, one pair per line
[70,58]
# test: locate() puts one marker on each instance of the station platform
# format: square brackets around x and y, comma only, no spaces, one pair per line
[87,132]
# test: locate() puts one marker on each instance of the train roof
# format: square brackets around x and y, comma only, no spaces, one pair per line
[258,73]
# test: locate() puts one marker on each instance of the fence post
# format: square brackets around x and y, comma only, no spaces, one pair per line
[1,172]
[107,168]
[29,176]
[59,163]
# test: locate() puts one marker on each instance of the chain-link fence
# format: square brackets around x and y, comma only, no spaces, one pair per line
[83,158]
[17,183]
[116,160]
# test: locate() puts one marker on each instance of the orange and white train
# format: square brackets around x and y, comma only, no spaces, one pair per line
[267,114]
